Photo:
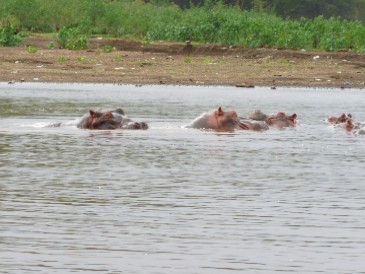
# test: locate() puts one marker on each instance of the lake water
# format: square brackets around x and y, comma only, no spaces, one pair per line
[173,200]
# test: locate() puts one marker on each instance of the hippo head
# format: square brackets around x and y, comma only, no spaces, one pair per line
[223,120]
[282,120]
[348,125]
[339,120]
[217,120]
[103,120]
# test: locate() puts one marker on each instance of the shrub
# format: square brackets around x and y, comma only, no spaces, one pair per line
[108,49]
[9,34]
[71,39]
[31,49]
[51,45]
[62,59]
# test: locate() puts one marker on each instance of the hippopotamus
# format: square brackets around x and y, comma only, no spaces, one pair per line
[356,128]
[109,119]
[282,120]
[341,119]
[225,121]
[347,123]
[219,120]
[279,120]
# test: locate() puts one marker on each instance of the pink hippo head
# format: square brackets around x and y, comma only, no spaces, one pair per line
[217,120]
[339,120]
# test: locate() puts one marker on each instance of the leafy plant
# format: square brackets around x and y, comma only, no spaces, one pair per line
[31,49]
[51,45]
[85,60]
[117,58]
[62,59]
[71,39]
[108,49]
[187,60]
[9,33]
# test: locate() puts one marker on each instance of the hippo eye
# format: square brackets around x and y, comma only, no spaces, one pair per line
[108,115]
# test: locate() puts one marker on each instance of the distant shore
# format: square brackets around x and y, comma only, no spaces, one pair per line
[183,64]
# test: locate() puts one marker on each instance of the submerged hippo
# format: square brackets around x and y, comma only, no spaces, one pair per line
[218,120]
[279,120]
[109,119]
[250,124]
[225,120]
[282,120]
[338,120]
[356,128]
[347,123]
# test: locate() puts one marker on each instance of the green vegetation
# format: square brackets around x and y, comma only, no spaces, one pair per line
[187,60]
[108,49]
[70,38]
[9,34]
[212,22]
[231,26]
[117,58]
[84,60]
[51,45]
[62,59]
[31,49]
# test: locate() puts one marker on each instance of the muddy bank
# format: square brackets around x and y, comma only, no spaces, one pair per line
[174,63]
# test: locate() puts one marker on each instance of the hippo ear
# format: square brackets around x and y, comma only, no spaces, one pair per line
[349,115]
[120,111]
[293,117]
[94,114]
[220,111]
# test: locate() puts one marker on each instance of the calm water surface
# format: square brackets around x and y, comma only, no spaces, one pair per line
[176,200]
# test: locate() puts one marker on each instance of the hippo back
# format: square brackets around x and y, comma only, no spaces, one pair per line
[201,121]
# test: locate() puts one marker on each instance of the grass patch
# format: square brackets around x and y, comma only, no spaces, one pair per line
[187,60]
[84,60]
[117,58]
[51,45]
[62,59]
[108,49]
[31,49]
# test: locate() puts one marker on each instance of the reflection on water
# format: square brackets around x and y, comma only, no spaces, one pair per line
[176,200]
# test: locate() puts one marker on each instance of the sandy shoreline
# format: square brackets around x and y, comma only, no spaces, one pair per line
[179,64]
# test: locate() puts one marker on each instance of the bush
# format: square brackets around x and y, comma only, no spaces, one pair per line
[9,34]
[31,49]
[71,39]
[108,49]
